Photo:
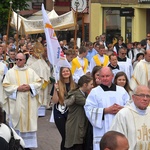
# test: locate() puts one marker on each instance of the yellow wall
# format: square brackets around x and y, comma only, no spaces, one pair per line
[139,24]
[138,21]
[96,24]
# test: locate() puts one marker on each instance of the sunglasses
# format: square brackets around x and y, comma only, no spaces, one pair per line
[19,59]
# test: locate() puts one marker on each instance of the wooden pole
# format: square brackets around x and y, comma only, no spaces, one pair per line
[8,25]
[17,39]
[83,31]
[76,27]
[53,4]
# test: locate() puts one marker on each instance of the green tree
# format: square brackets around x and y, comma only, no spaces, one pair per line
[4,11]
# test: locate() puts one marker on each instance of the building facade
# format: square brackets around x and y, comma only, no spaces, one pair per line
[129,18]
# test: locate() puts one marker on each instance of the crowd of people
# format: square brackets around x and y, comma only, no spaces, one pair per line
[104,92]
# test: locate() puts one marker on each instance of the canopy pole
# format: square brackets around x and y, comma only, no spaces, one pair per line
[76,18]
[17,39]
[53,4]
[8,26]
[83,31]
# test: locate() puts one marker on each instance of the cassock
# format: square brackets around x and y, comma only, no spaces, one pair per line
[23,106]
[135,125]
[43,71]
[126,66]
[115,69]
[99,98]
[141,74]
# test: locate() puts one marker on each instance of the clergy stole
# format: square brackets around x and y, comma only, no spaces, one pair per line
[142,127]
[76,64]
[99,63]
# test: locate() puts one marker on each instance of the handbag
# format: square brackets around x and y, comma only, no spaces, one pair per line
[14,144]
[62,108]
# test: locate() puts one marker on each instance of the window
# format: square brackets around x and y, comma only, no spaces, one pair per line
[128,29]
[111,23]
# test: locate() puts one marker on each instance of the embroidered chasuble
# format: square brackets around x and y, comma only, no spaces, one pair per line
[43,71]
[22,106]
[141,74]
[142,127]
[135,125]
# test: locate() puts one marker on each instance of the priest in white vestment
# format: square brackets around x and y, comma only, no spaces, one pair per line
[22,86]
[141,73]
[133,120]
[125,63]
[42,69]
[102,103]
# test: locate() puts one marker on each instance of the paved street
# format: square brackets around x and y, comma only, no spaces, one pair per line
[48,135]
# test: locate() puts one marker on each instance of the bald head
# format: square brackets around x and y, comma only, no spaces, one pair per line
[21,55]
[106,76]
[114,140]
[106,69]
[20,60]
[141,88]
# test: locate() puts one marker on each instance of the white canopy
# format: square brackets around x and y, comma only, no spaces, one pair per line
[34,24]
[38,15]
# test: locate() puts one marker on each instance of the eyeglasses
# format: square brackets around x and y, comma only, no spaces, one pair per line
[142,95]
[19,59]
[123,53]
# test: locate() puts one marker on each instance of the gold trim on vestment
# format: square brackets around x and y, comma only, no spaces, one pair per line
[29,105]
[135,80]
[146,71]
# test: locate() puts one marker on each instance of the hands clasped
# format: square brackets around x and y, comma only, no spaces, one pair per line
[113,109]
[23,88]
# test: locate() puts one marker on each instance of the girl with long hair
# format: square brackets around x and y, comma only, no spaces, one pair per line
[121,79]
[96,75]
[59,92]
